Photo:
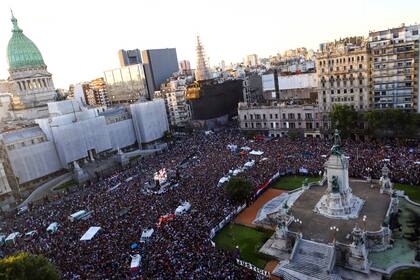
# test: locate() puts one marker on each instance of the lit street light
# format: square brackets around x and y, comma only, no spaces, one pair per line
[334,229]
[364,222]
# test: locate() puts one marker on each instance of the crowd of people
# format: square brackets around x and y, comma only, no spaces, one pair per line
[180,248]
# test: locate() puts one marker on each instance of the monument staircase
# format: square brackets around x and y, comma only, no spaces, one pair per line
[310,261]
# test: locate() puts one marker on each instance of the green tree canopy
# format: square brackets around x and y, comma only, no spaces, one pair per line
[380,124]
[238,189]
[392,123]
[24,266]
[345,119]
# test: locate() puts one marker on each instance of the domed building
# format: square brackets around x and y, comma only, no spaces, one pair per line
[32,86]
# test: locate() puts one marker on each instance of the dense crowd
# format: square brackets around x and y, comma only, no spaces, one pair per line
[180,248]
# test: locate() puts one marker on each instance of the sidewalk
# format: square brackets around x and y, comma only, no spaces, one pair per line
[43,189]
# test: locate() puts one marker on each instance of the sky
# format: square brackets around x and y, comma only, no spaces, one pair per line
[79,39]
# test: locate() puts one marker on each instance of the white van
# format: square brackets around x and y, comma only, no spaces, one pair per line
[80,215]
[52,228]
[11,239]
[146,235]
[183,208]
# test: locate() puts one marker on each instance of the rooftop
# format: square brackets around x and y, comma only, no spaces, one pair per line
[18,135]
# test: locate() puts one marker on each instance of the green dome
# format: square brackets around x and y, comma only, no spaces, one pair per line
[21,51]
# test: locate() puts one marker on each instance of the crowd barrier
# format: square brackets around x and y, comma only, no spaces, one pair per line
[250,266]
[226,220]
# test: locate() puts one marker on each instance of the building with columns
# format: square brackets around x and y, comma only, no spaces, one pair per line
[31,85]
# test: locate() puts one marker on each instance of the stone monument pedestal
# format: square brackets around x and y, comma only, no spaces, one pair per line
[122,158]
[338,201]
[79,175]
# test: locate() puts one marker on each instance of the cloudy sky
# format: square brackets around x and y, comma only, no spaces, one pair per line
[79,39]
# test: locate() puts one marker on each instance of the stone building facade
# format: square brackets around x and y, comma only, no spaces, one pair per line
[343,74]
[32,86]
[277,120]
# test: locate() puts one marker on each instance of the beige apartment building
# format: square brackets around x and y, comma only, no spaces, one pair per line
[343,74]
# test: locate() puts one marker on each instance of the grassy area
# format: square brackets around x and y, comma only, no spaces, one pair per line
[249,241]
[293,182]
[412,192]
[412,274]
[134,158]
[65,185]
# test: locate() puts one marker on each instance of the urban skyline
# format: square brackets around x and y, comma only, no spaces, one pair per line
[259,35]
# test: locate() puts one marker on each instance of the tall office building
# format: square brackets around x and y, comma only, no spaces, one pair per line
[395,68]
[251,60]
[159,65]
[126,84]
[185,66]
[129,57]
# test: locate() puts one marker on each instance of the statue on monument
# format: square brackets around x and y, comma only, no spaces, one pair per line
[336,148]
[385,181]
[335,187]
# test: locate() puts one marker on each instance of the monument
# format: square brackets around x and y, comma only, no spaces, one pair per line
[338,201]
[79,175]
[317,236]
[385,181]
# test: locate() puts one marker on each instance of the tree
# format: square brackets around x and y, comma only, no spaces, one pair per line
[392,123]
[293,134]
[24,266]
[345,119]
[167,136]
[238,189]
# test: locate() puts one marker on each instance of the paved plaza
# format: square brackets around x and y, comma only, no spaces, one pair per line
[316,227]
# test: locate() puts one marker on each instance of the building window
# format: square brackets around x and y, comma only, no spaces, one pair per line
[246,125]
[276,116]
[284,116]
[271,116]
[244,117]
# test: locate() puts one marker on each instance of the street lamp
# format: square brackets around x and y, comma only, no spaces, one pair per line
[369,175]
[334,229]
[364,221]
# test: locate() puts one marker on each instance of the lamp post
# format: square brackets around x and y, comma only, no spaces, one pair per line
[298,222]
[369,175]
[364,222]
[334,229]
